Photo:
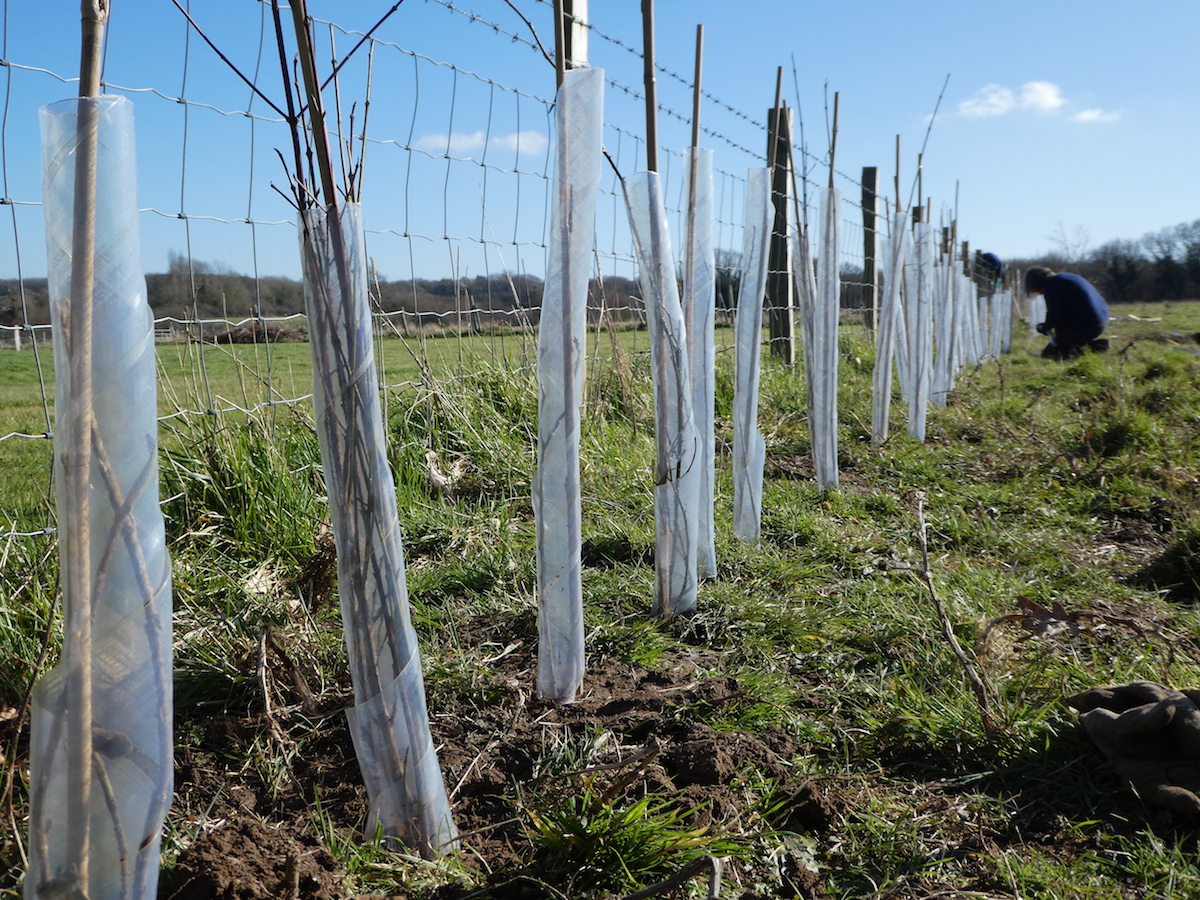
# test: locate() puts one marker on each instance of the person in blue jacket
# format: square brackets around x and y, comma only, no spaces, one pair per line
[1076,314]
[989,272]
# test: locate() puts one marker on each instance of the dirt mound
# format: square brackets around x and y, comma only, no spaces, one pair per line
[502,753]
[244,858]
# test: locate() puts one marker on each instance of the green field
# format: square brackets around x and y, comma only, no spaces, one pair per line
[812,725]
[233,379]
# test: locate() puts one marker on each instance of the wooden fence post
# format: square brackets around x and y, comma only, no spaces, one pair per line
[780,308]
[870,202]
[575,33]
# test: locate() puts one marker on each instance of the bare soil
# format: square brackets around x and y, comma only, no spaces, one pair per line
[254,834]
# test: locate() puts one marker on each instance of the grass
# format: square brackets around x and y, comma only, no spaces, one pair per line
[1075,483]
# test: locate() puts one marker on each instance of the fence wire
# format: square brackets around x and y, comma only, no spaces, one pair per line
[456,172]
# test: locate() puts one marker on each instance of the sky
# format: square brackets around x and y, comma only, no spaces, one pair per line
[1059,125]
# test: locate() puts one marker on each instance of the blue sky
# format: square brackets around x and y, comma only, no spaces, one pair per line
[1062,122]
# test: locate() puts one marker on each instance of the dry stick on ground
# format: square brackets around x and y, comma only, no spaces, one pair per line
[978,686]
[1059,615]
[681,877]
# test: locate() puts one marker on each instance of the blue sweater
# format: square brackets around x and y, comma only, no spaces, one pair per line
[1075,311]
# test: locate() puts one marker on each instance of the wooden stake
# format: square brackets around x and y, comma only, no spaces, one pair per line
[78,456]
[833,138]
[575,33]
[316,110]
[870,206]
[779,277]
[560,43]
[899,207]
[773,137]
[925,213]
[650,85]
[696,86]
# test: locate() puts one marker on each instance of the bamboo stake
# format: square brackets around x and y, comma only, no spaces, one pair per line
[560,44]
[925,216]
[94,15]
[773,137]
[651,86]
[316,110]
[833,138]
[696,93]
[695,157]
[690,247]
[899,208]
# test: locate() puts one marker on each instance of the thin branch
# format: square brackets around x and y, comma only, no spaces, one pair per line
[356,172]
[925,142]
[532,31]
[366,37]
[225,59]
[347,188]
[293,118]
[715,865]
[978,686]
[316,112]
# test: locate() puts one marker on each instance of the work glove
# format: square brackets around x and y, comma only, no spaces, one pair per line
[1151,735]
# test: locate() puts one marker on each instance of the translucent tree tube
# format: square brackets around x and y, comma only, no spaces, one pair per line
[389,721]
[561,343]
[699,311]
[983,317]
[677,464]
[749,448]
[823,415]
[100,757]
[920,333]
[1037,313]
[946,324]
[1005,304]
[973,333]
[806,301]
[901,271]
[891,315]
[982,304]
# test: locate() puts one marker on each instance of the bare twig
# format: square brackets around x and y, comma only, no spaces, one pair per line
[366,37]
[715,865]
[225,59]
[642,756]
[307,701]
[978,686]
[925,143]
[293,119]
[263,685]
[533,31]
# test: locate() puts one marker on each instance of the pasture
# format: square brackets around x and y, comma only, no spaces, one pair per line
[810,726]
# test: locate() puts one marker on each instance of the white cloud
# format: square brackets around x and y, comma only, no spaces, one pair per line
[998,100]
[991,100]
[1041,96]
[1088,116]
[457,144]
[462,144]
[527,142]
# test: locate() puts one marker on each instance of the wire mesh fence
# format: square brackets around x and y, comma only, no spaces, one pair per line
[455,176]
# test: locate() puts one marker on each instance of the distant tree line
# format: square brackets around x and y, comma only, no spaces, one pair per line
[203,291]
[1162,265]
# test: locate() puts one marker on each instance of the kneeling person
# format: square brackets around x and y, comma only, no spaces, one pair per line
[1076,314]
